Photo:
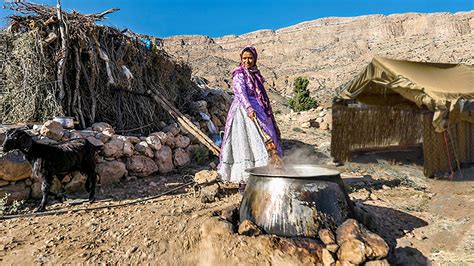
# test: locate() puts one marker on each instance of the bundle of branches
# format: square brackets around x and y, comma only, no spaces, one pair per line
[64,63]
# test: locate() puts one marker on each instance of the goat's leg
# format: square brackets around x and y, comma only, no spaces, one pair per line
[38,172]
[92,181]
[45,186]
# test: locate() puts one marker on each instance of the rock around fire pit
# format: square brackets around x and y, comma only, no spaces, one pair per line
[350,244]
[295,201]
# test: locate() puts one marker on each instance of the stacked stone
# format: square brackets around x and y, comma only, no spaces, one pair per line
[353,244]
[215,106]
[350,244]
[318,118]
[121,157]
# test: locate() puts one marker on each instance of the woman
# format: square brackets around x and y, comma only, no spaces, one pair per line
[242,146]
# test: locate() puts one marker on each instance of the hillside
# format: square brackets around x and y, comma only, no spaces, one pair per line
[329,51]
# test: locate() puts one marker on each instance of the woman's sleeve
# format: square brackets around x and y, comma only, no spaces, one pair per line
[240,90]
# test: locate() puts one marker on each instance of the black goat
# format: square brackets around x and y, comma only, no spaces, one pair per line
[49,160]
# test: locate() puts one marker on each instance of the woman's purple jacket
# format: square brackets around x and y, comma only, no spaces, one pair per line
[246,95]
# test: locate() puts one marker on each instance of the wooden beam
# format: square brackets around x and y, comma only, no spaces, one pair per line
[184,122]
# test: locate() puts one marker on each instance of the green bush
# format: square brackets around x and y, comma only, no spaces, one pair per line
[200,154]
[301,101]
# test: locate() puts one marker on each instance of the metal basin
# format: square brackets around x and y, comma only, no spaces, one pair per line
[296,200]
[65,121]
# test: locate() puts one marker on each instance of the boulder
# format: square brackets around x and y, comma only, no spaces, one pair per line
[86,133]
[14,166]
[52,130]
[353,251]
[67,136]
[154,142]
[75,134]
[172,128]
[164,159]
[327,123]
[95,142]
[36,187]
[128,148]
[378,263]
[113,148]
[102,126]
[109,132]
[144,149]
[102,137]
[332,247]
[327,236]
[206,176]
[36,190]
[306,124]
[210,193]
[66,179]
[181,157]
[182,141]
[15,191]
[377,248]
[248,228]
[141,166]
[170,140]
[3,183]
[56,186]
[161,135]
[111,172]
[132,139]
[77,183]
[350,229]
[327,258]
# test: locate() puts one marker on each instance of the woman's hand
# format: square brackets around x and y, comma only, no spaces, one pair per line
[251,113]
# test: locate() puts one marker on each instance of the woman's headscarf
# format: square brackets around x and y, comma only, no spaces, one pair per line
[255,77]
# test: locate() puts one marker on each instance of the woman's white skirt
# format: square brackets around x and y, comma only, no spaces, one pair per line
[243,148]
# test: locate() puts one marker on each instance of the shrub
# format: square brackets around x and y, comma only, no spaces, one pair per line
[301,101]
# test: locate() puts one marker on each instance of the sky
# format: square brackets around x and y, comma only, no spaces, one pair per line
[215,18]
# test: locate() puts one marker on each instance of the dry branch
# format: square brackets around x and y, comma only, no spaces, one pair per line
[68,65]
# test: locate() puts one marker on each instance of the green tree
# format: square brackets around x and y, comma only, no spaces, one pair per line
[301,101]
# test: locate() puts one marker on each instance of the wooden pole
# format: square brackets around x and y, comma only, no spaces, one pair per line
[63,52]
[184,122]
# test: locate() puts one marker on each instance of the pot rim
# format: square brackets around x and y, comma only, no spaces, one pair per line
[294,171]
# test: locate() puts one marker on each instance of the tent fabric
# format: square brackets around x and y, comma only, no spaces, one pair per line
[437,86]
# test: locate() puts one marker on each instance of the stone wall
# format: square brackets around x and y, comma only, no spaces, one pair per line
[121,158]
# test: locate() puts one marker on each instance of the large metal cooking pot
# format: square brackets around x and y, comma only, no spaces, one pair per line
[296,200]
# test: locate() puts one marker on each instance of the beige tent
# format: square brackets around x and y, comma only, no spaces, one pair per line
[403,103]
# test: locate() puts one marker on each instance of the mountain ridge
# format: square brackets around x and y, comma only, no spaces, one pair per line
[330,51]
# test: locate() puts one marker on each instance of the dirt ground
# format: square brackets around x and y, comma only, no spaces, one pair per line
[423,220]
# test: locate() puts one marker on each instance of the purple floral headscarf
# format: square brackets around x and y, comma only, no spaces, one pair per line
[255,77]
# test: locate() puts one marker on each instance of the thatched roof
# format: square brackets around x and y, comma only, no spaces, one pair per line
[441,88]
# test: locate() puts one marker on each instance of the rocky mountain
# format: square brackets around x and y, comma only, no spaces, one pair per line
[330,51]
